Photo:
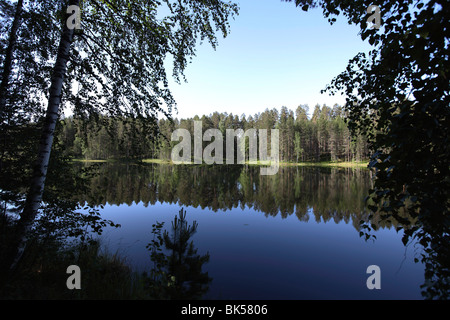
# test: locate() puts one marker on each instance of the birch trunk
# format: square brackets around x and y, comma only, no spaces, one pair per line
[7,66]
[36,190]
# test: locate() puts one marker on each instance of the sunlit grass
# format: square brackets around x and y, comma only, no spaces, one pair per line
[340,164]
[160,161]
[88,160]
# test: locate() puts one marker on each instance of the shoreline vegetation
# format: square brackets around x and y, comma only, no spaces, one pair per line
[339,164]
[104,274]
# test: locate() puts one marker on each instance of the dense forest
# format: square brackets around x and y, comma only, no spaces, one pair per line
[322,137]
[114,68]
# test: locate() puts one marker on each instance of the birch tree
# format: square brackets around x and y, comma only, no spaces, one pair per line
[7,62]
[115,65]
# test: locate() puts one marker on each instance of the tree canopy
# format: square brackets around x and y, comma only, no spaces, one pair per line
[113,64]
[324,137]
[403,83]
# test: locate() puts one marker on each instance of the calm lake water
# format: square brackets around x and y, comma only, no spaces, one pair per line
[294,235]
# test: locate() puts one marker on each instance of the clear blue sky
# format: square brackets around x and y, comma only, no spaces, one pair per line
[276,55]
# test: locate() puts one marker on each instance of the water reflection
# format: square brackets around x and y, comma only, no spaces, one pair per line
[177,267]
[300,193]
[333,194]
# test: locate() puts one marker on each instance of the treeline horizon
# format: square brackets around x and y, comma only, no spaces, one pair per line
[324,136]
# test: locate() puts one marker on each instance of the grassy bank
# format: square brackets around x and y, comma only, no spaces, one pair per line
[339,164]
[160,161]
[343,164]
[42,275]
[90,161]
[43,271]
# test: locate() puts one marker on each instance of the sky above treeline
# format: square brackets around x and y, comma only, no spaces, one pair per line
[276,55]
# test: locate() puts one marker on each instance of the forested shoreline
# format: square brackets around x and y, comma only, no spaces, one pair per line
[324,136]
[106,63]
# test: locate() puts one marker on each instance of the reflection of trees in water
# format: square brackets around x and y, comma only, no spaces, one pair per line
[322,194]
[177,267]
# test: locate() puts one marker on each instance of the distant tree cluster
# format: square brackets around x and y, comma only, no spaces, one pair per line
[322,137]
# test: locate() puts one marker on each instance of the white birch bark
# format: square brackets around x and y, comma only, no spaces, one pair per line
[36,190]
[7,65]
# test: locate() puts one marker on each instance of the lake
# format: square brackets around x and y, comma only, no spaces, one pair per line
[294,235]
